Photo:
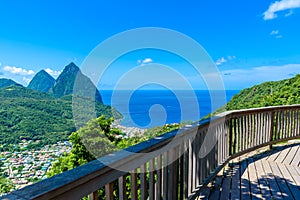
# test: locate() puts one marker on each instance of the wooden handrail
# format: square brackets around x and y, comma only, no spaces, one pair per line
[177,164]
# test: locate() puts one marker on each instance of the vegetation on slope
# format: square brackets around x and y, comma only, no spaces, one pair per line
[42,82]
[64,84]
[275,93]
[6,82]
[29,114]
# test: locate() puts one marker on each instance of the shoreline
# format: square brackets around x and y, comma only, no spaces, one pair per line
[129,131]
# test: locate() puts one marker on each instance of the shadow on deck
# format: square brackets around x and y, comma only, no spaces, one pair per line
[269,174]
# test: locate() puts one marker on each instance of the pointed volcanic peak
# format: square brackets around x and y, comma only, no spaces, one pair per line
[64,84]
[6,82]
[42,82]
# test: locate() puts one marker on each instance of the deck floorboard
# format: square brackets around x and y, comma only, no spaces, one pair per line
[269,174]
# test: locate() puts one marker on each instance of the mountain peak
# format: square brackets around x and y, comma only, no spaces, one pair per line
[6,82]
[42,82]
[71,68]
[65,82]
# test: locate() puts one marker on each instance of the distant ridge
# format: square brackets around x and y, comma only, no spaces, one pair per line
[6,82]
[273,93]
[64,84]
[35,115]
[42,82]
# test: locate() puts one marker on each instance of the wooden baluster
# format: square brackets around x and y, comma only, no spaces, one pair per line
[151,180]
[159,166]
[94,196]
[133,184]
[271,127]
[143,182]
[122,187]
[109,191]
[165,176]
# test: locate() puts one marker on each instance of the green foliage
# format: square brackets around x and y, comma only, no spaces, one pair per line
[101,140]
[97,136]
[6,185]
[6,82]
[284,92]
[29,114]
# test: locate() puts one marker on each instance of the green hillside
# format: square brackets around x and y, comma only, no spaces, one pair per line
[42,82]
[6,82]
[30,114]
[284,92]
[64,84]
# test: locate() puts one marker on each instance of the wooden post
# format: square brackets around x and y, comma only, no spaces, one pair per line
[271,128]
[230,137]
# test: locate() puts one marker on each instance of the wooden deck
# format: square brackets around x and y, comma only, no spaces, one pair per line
[272,174]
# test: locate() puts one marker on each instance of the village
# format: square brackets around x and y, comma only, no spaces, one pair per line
[28,166]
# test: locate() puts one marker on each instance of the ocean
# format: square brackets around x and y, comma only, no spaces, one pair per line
[150,108]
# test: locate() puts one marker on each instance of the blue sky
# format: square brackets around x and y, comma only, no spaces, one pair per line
[249,41]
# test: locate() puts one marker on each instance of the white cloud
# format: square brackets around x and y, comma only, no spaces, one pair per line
[26,80]
[220,61]
[274,32]
[223,60]
[281,5]
[53,72]
[144,61]
[18,70]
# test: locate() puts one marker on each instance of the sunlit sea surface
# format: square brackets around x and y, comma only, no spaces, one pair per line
[149,108]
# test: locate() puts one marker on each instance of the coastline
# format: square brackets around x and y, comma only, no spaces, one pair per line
[128,131]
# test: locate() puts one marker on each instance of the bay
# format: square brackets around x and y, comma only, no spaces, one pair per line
[149,108]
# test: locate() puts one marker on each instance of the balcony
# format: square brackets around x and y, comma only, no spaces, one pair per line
[204,160]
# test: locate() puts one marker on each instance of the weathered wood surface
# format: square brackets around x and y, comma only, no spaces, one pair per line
[272,174]
[179,164]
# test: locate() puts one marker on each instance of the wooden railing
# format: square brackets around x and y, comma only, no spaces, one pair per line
[175,165]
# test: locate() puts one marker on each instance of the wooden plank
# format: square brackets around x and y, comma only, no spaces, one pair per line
[165,176]
[151,180]
[231,145]
[241,133]
[225,186]
[272,157]
[245,192]
[173,175]
[143,182]
[255,190]
[247,136]
[285,191]
[297,169]
[216,192]
[263,183]
[185,170]
[296,158]
[276,193]
[295,175]
[122,187]
[94,196]
[159,166]
[236,182]
[289,158]
[133,185]
[282,155]
[292,184]
[109,191]
[181,172]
